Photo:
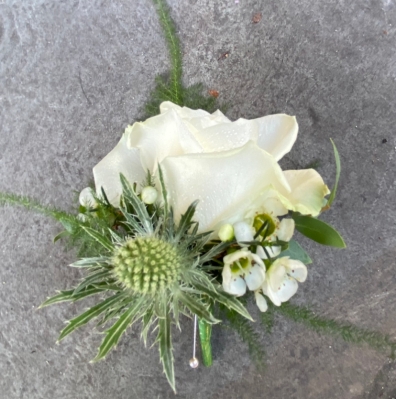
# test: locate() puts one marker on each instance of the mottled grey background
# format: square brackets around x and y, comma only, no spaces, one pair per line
[74,73]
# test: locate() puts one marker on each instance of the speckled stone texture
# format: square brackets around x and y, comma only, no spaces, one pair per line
[74,73]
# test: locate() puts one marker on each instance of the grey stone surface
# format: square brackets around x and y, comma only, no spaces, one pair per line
[74,73]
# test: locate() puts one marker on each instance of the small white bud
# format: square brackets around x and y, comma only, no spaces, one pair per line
[226,232]
[149,195]
[87,199]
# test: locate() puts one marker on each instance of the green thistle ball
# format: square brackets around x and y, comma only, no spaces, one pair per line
[147,264]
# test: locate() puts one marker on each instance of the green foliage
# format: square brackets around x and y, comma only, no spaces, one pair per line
[318,231]
[347,332]
[31,204]
[247,333]
[295,251]
[171,88]
[338,173]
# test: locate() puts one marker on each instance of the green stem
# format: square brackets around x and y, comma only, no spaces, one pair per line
[31,204]
[173,43]
[205,333]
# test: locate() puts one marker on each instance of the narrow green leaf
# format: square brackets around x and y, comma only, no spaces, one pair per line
[338,172]
[114,333]
[105,242]
[62,234]
[138,206]
[296,252]
[97,277]
[90,314]
[318,231]
[165,347]
[196,307]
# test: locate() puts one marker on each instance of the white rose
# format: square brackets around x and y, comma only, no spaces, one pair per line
[230,167]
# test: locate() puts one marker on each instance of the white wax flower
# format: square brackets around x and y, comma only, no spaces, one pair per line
[242,269]
[227,166]
[149,195]
[226,232]
[281,279]
[87,199]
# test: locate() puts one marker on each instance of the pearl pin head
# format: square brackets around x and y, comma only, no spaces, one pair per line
[194,363]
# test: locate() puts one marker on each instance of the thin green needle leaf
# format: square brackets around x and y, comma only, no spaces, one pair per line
[31,204]
[105,242]
[90,314]
[114,333]
[347,332]
[318,231]
[338,172]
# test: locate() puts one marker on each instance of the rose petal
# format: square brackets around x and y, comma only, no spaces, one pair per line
[276,134]
[307,191]
[122,159]
[159,137]
[226,184]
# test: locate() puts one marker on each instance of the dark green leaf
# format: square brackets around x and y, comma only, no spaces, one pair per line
[90,314]
[338,172]
[296,252]
[318,231]
[62,234]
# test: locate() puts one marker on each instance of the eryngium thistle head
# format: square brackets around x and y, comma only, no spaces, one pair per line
[147,264]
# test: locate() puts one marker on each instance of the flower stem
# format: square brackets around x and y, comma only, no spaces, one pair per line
[205,333]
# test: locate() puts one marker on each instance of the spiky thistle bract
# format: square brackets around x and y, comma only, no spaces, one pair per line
[152,270]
